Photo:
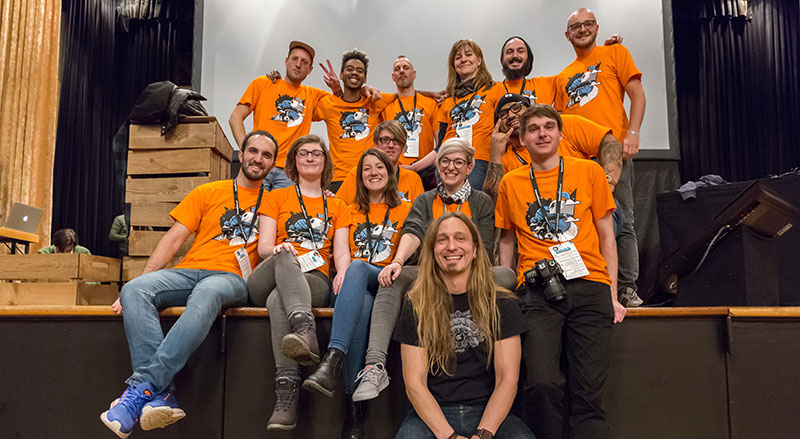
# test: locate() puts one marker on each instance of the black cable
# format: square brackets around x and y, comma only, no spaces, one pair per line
[722,229]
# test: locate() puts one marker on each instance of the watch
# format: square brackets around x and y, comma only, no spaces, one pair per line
[483,433]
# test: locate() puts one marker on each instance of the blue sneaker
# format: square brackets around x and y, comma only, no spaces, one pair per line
[161,411]
[123,416]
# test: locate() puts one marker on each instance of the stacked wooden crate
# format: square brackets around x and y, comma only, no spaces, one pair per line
[162,170]
[58,279]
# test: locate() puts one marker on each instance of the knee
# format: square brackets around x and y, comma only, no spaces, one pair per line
[136,290]
[543,389]
[274,301]
[504,277]
[358,268]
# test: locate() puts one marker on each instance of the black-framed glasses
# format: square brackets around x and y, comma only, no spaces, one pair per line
[515,108]
[444,162]
[588,24]
[317,153]
[387,140]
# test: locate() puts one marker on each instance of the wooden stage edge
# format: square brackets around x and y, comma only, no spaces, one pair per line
[105,311]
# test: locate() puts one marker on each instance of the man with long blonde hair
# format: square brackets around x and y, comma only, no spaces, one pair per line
[461,361]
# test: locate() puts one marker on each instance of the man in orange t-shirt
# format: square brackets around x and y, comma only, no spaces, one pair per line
[559,210]
[350,118]
[282,107]
[222,215]
[389,137]
[418,114]
[594,86]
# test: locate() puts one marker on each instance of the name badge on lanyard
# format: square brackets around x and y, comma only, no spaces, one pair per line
[313,259]
[569,259]
[464,129]
[412,142]
[242,257]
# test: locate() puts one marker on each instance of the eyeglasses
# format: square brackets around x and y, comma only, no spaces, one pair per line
[317,153]
[388,140]
[457,163]
[588,24]
[515,108]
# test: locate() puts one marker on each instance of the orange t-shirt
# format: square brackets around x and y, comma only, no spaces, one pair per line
[540,88]
[586,198]
[281,109]
[438,208]
[580,138]
[209,212]
[384,237]
[283,206]
[424,119]
[408,184]
[350,126]
[593,86]
[480,115]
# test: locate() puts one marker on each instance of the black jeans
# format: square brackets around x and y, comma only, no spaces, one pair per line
[580,325]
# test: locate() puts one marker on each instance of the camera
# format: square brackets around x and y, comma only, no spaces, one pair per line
[545,274]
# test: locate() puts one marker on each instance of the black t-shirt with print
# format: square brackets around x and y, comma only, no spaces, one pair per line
[470,381]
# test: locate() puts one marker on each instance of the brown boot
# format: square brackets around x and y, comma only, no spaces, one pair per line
[284,415]
[301,344]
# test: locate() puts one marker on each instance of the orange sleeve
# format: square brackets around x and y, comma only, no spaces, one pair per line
[271,205]
[320,110]
[189,212]
[626,68]
[341,214]
[545,89]
[502,216]
[253,92]
[347,191]
[584,134]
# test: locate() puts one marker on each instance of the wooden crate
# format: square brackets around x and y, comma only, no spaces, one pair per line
[192,132]
[60,266]
[72,292]
[143,242]
[175,161]
[161,189]
[132,266]
[153,214]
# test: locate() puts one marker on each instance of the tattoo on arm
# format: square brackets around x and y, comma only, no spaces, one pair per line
[610,156]
[492,181]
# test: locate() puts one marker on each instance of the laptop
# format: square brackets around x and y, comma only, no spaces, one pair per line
[24,218]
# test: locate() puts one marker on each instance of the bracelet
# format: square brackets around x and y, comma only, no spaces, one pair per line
[483,433]
[399,261]
[635,133]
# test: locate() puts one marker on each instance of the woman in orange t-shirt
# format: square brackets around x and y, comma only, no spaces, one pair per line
[377,217]
[299,225]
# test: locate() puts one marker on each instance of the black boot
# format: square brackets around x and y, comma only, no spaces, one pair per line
[324,379]
[354,422]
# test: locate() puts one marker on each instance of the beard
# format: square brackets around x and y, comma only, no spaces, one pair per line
[515,74]
[253,176]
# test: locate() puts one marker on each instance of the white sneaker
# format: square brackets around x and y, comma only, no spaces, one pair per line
[629,298]
[371,380]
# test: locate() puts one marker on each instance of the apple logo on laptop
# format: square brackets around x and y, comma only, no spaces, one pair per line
[25,219]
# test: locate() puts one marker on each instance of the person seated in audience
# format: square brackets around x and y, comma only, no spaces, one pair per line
[460,341]
[65,241]
[454,193]
[376,220]
[390,137]
[210,277]
[301,227]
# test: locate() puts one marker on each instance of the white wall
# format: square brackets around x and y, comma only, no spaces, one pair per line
[246,38]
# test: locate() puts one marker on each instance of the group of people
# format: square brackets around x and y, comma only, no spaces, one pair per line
[472,309]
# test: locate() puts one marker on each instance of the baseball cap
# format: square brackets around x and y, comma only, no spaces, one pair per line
[304,46]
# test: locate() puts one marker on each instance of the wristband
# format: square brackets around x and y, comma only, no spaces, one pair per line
[483,433]
[635,133]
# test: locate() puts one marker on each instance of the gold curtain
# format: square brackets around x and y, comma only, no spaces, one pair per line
[29,90]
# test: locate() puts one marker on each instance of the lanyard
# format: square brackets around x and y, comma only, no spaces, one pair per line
[308,219]
[246,236]
[413,113]
[552,228]
[519,157]
[521,89]
[466,108]
[444,206]
[369,234]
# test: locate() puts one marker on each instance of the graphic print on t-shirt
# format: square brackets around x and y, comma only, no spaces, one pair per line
[355,124]
[229,224]
[462,116]
[582,87]
[539,216]
[466,334]
[297,229]
[381,240]
[412,122]
[290,110]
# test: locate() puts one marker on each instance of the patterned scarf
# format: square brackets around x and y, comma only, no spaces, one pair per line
[460,197]
[465,88]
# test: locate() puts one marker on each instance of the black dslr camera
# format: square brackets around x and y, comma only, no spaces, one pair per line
[545,274]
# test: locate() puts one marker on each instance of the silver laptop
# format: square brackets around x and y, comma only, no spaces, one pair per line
[23,218]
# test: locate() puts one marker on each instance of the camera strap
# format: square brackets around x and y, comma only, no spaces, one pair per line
[553,227]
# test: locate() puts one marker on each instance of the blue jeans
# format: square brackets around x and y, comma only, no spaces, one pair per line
[276,179]
[627,246]
[155,358]
[351,316]
[464,419]
[478,174]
